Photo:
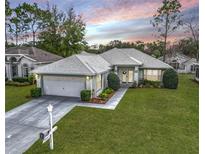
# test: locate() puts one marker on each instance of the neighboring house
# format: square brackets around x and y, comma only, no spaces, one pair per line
[181,63]
[69,76]
[21,60]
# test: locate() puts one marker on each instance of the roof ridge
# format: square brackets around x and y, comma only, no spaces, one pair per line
[86,65]
[126,54]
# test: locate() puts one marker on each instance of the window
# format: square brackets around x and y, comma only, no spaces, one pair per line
[14,68]
[99,81]
[197,72]
[192,68]
[154,75]
[25,70]
[13,59]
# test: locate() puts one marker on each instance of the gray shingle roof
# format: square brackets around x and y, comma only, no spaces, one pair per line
[147,60]
[76,65]
[116,57]
[91,64]
[35,53]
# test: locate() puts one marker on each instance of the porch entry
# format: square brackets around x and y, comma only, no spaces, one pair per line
[127,75]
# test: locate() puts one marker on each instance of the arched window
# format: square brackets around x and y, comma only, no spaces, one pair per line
[13,59]
[25,70]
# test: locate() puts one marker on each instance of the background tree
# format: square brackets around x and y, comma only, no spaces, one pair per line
[50,38]
[8,12]
[167,20]
[155,48]
[187,47]
[73,32]
[16,23]
[32,17]
[192,27]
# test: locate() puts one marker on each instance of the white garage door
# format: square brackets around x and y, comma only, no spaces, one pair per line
[63,85]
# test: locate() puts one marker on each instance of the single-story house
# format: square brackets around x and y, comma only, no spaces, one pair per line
[67,77]
[181,63]
[21,60]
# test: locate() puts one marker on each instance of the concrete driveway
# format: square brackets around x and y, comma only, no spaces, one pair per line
[24,123]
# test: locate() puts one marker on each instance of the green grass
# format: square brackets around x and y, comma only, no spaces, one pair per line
[147,121]
[16,96]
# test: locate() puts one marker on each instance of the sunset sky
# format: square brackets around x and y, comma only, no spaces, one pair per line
[126,20]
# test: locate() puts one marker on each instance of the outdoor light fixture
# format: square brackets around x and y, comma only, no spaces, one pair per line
[124,72]
[87,77]
[36,76]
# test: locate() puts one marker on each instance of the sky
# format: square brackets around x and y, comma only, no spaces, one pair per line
[125,20]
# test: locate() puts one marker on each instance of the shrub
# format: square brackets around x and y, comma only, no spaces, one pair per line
[170,79]
[31,79]
[108,90]
[113,81]
[134,84]
[17,84]
[36,92]
[85,95]
[149,83]
[20,79]
[103,95]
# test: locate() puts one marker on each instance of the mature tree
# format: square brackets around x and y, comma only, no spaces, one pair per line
[16,24]
[193,28]
[32,17]
[64,34]
[8,12]
[50,39]
[73,32]
[167,20]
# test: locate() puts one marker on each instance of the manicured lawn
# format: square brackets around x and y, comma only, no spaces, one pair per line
[147,121]
[16,96]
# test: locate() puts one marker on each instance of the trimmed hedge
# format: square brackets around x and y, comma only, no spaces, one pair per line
[113,81]
[17,84]
[170,79]
[36,92]
[85,95]
[20,79]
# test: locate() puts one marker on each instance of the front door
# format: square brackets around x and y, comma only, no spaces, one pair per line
[124,76]
[127,75]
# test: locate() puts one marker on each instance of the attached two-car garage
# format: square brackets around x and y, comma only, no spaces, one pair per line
[63,85]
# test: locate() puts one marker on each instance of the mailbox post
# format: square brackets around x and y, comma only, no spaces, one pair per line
[50,109]
[48,134]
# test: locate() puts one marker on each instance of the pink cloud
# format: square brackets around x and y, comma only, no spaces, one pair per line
[121,13]
[128,10]
[149,38]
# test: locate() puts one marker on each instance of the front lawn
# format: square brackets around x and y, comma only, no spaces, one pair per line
[16,96]
[157,121]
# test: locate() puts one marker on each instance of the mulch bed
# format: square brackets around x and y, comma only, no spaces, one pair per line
[98,100]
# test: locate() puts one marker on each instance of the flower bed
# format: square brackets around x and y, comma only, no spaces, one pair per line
[103,97]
